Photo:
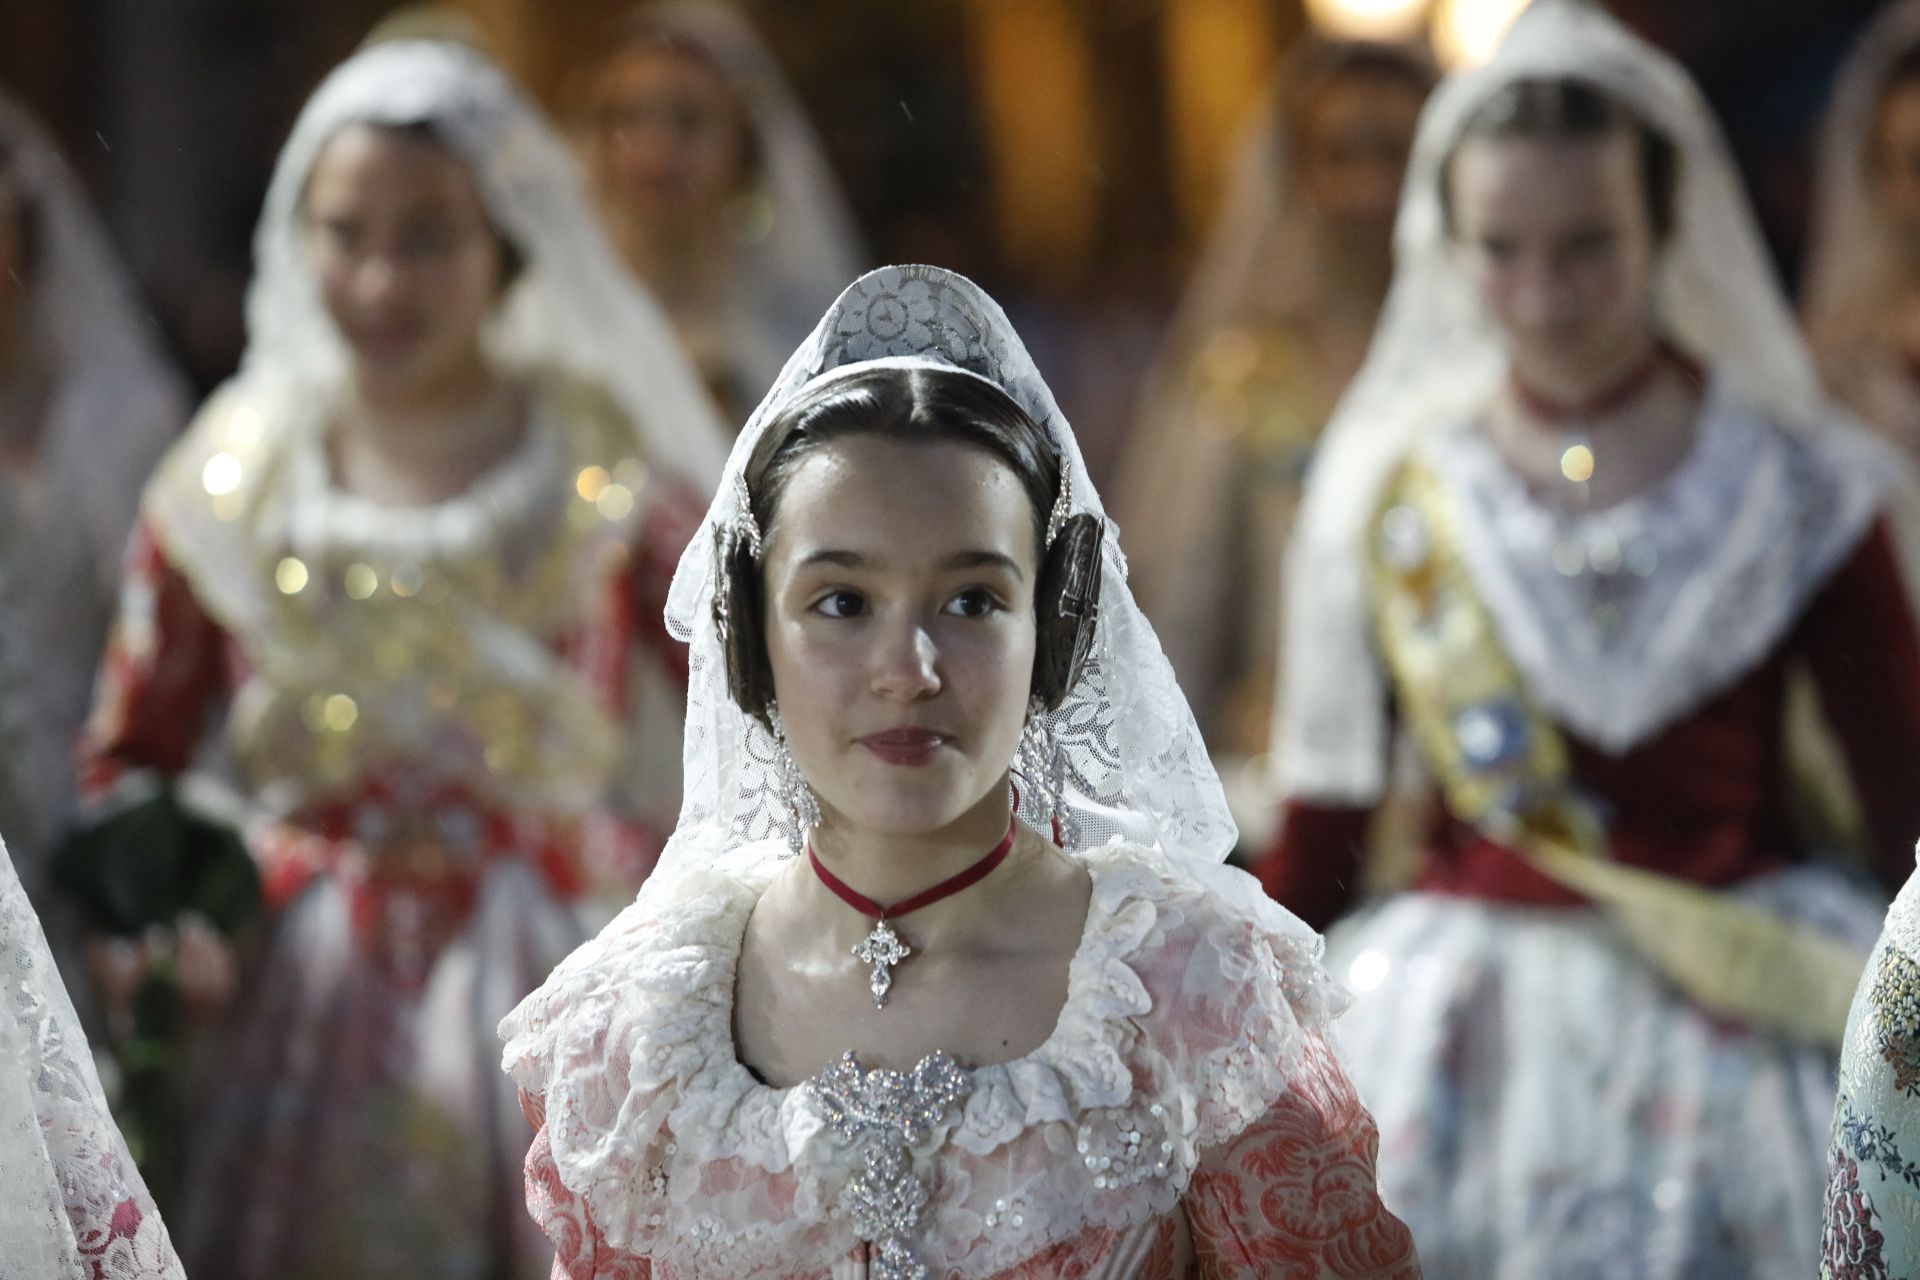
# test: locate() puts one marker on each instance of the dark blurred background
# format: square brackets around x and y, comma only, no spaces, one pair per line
[1067,153]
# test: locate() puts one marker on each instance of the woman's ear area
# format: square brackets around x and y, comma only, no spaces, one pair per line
[1066,603]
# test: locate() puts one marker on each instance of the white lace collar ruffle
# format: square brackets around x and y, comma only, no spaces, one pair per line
[1190,1000]
[1627,619]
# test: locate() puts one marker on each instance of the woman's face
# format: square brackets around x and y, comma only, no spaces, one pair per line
[1354,138]
[1896,154]
[1559,241]
[670,138]
[409,265]
[900,627]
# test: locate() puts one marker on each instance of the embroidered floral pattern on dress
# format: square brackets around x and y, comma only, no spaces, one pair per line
[1185,1021]
[1851,1247]
[1895,996]
[1872,1227]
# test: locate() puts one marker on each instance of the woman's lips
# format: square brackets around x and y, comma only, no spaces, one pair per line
[904,746]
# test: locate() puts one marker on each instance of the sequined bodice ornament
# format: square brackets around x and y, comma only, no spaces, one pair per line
[883,1115]
[374,635]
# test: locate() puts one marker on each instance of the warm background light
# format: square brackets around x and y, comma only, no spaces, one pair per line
[1367,19]
[1466,32]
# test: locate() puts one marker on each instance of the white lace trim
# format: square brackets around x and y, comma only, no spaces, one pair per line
[71,1203]
[516,491]
[1704,574]
[631,1043]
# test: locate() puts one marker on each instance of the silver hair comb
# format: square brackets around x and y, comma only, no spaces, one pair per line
[1062,506]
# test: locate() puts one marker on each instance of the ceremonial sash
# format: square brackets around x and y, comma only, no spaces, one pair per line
[1503,766]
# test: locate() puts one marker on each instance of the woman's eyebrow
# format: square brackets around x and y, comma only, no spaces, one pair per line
[976,559]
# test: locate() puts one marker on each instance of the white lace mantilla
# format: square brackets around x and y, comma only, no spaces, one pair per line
[1626,619]
[72,1206]
[1189,1003]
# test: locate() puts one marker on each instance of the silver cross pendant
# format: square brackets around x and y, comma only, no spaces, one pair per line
[882,949]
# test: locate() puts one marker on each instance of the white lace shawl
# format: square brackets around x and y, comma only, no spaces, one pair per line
[1190,1000]
[1703,574]
[1437,358]
[1134,760]
[72,1205]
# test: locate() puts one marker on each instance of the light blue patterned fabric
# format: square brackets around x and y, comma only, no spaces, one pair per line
[1873,1165]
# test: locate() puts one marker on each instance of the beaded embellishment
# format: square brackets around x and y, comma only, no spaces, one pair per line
[884,1114]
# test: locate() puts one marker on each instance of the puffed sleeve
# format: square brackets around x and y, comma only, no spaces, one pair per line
[580,1253]
[164,670]
[1295,1194]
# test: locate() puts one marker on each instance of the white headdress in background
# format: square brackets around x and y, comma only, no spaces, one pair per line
[574,306]
[1437,358]
[1134,760]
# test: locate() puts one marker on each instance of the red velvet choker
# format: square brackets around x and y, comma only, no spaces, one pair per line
[882,948]
[1606,401]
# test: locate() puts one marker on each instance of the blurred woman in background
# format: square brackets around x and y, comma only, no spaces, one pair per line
[717,191]
[1580,520]
[87,405]
[1862,294]
[400,586]
[1272,328]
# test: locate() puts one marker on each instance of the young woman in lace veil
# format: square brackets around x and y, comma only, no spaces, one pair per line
[1862,300]
[87,405]
[1582,515]
[717,190]
[1095,1050]
[1273,325]
[398,589]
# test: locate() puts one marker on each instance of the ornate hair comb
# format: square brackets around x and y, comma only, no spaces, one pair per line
[1062,505]
[743,522]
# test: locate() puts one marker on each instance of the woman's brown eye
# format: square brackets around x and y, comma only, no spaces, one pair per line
[841,604]
[977,603]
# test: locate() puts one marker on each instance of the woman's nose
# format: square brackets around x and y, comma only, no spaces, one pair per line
[907,665]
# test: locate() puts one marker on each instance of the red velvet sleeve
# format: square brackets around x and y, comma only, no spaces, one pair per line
[1859,639]
[580,1253]
[164,668]
[1296,1194]
[1313,866]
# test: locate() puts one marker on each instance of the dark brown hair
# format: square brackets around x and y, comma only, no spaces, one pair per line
[1573,109]
[923,405]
